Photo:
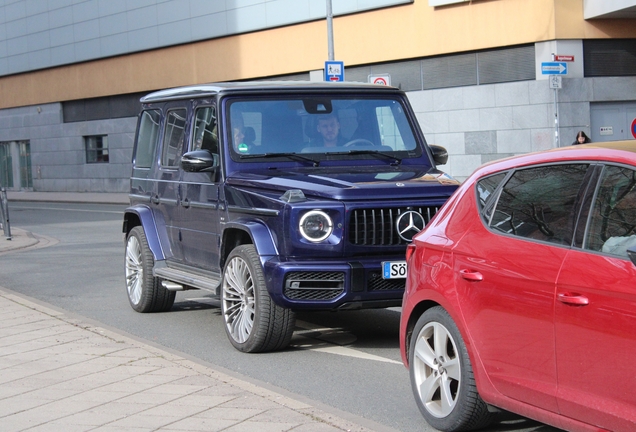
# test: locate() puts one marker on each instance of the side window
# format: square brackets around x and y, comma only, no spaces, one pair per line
[539,203]
[612,225]
[173,137]
[486,188]
[394,130]
[147,136]
[248,128]
[205,130]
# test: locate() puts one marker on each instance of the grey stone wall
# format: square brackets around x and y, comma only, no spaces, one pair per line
[476,124]
[482,123]
[58,154]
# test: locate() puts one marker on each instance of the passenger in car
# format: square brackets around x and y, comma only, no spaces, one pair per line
[238,135]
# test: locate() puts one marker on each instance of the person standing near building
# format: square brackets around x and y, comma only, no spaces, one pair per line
[581,138]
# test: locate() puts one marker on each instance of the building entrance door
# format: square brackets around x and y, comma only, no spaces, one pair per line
[612,121]
[15,165]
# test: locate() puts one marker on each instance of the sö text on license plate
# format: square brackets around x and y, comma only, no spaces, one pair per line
[394,269]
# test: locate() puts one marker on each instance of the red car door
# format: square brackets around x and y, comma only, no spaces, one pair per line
[509,312]
[506,267]
[596,340]
[595,312]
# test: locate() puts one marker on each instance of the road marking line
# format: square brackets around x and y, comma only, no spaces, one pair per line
[329,342]
[323,339]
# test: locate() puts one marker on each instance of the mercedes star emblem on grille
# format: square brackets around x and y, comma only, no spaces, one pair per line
[408,224]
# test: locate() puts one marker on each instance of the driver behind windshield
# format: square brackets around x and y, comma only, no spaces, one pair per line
[329,129]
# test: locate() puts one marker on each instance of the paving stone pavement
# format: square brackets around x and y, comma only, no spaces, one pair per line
[59,373]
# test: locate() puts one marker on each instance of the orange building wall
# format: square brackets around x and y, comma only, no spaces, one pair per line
[410,31]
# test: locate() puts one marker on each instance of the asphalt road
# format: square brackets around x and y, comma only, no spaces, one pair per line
[347,360]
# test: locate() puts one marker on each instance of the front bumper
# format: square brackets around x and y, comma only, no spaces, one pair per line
[332,285]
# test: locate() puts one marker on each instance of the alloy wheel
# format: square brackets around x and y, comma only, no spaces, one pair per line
[134,270]
[238,299]
[437,369]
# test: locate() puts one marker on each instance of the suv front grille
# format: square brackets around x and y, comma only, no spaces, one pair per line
[314,285]
[377,227]
[377,283]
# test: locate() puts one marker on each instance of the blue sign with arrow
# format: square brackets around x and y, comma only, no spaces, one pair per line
[554,68]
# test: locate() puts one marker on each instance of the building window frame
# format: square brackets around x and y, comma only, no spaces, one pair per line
[96,149]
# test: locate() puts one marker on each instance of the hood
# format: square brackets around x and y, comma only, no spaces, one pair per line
[351,183]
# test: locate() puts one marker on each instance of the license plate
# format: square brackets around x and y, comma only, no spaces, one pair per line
[394,270]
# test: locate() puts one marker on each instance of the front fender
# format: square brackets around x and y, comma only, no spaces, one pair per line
[144,216]
[261,236]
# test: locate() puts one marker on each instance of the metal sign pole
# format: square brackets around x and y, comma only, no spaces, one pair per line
[556,118]
[4,211]
[330,30]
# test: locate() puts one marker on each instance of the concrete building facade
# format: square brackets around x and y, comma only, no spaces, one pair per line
[72,71]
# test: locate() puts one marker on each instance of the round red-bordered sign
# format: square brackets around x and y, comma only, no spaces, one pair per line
[633,128]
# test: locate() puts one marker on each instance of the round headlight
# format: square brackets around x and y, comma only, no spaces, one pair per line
[316,226]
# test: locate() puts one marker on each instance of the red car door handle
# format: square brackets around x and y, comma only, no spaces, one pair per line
[573,299]
[470,275]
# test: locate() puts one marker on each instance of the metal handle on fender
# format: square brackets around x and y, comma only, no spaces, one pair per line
[573,299]
[470,275]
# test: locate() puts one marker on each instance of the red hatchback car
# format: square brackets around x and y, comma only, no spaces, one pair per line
[521,294]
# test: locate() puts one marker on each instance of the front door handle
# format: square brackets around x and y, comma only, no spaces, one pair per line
[473,276]
[573,299]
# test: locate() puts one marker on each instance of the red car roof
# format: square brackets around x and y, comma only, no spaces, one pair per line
[615,151]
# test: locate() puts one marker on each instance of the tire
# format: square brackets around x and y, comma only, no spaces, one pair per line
[145,292]
[253,322]
[442,376]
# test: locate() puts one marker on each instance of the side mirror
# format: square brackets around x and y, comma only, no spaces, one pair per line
[199,161]
[440,155]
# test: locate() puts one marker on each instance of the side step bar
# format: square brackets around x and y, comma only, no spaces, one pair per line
[176,279]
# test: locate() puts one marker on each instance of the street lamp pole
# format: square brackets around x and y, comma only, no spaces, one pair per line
[330,30]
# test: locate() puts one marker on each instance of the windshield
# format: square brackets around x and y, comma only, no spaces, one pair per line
[320,128]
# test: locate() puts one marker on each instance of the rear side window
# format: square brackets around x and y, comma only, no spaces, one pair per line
[205,130]
[612,225]
[486,194]
[539,203]
[147,136]
[173,137]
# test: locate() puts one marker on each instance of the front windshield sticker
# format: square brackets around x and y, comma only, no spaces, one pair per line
[243,148]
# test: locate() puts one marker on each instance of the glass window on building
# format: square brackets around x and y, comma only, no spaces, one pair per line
[96,149]
[6,166]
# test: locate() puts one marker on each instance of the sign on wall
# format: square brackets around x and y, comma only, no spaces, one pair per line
[384,79]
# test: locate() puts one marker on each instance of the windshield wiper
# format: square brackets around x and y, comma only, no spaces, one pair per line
[396,160]
[291,155]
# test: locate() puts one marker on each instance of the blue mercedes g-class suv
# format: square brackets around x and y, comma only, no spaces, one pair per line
[277,197]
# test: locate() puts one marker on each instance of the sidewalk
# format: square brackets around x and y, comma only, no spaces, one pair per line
[59,371]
